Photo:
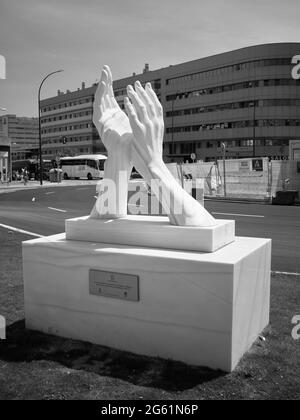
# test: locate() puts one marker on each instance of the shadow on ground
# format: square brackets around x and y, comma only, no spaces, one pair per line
[27,346]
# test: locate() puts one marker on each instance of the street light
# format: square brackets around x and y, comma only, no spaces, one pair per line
[254,129]
[223,148]
[40,131]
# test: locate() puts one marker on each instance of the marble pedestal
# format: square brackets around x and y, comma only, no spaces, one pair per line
[199,308]
[151,231]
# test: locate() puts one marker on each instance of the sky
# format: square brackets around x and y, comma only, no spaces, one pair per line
[80,36]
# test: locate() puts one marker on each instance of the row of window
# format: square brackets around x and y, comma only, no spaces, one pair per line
[232,87]
[67,116]
[249,65]
[233,105]
[68,140]
[192,147]
[236,124]
[67,128]
[74,151]
[156,84]
[81,162]
[67,104]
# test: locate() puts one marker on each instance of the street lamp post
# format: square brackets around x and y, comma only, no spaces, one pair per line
[40,130]
[173,148]
[254,129]
[223,148]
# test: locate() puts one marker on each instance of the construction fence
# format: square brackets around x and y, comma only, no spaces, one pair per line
[249,178]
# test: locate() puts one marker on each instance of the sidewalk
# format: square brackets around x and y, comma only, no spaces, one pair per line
[33,185]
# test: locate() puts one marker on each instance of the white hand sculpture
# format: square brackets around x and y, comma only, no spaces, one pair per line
[116,134]
[143,149]
[147,123]
[146,119]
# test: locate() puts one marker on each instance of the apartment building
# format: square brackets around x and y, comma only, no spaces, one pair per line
[67,127]
[22,132]
[246,100]
[5,159]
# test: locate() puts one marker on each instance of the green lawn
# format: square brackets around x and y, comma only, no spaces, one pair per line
[39,366]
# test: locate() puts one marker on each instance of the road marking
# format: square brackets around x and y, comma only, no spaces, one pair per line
[61,211]
[20,231]
[239,215]
[48,193]
[286,273]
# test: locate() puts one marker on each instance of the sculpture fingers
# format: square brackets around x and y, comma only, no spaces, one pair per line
[106,98]
[111,94]
[133,118]
[155,100]
[98,105]
[139,105]
[143,95]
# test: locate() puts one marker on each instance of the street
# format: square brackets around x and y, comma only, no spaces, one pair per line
[43,212]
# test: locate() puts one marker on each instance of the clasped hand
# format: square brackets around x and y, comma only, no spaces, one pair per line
[136,139]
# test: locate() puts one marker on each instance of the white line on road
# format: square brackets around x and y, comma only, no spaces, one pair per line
[286,273]
[20,231]
[61,211]
[239,215]
[48,193]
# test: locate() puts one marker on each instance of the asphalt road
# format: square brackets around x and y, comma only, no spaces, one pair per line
[47,213]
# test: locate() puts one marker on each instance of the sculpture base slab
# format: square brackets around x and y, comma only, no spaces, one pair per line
[201,309]
[152,231]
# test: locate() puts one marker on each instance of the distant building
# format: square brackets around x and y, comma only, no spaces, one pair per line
[246,99]
[5,158]
[295,149]
[22,132]
[67,126]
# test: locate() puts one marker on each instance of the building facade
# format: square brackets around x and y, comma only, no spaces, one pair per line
[5,159]
[67,126]
[23,133]
[295,150]
[245,100]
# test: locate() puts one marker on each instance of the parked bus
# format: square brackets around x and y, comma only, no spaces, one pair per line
[85,166]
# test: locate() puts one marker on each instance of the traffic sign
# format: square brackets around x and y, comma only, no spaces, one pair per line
[193,157]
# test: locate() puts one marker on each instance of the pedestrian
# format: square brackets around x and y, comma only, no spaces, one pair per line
[1,178]
[25,176]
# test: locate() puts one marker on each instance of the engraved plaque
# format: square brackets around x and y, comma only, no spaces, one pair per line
[114,285]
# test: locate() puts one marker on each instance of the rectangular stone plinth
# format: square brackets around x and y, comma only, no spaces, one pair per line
[151,231]
[203,309]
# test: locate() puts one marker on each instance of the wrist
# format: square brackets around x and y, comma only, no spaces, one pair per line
[156,166]
[117,162]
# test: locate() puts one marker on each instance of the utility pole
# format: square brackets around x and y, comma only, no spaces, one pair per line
[173,144]
[254,129]
[40,128]
[223,147]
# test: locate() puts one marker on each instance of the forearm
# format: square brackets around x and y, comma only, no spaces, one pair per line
[181,207]
[113,189]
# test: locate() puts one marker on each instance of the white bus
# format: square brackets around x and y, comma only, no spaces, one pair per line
[84,166]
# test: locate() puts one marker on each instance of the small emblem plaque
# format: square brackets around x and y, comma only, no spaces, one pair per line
[114,285]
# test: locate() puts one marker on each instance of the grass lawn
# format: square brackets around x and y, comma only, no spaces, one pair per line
[39,366]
